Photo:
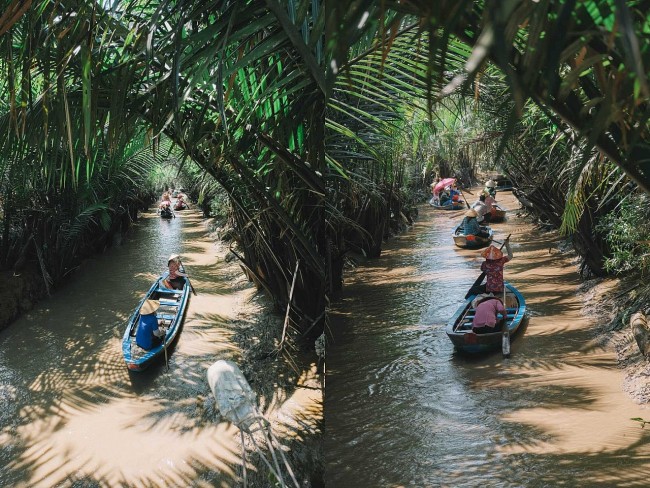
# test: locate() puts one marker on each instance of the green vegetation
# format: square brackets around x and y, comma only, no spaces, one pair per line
[319,123]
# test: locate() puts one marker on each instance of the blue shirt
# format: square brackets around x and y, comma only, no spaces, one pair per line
[144,336]
[471,226]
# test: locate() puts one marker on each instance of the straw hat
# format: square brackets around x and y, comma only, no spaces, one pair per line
[173,257]
[471,213]
[492,253]
[149,306]
[491,184]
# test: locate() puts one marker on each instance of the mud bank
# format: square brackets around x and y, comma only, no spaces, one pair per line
[610,302]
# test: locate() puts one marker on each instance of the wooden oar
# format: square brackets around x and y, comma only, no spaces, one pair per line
[165,348]
[188,278]
[505,337]
[476,283]
[464,199]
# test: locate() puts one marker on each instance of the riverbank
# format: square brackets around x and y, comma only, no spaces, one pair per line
[610,302]
[288,383]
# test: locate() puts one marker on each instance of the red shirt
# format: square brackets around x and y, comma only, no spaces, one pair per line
[494,271]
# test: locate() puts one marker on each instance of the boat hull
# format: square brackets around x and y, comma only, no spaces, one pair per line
[459,330]
[171,314]
[499,215]
[453,206]
[471,242]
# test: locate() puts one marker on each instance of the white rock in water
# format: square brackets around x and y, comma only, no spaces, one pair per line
[639,325]
[235,398]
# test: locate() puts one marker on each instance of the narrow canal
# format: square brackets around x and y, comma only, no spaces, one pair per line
[403,409]
[70,412]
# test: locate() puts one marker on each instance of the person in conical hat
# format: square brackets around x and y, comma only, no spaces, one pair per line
[149,334]
[491,187]
[493,267]
[492,253]
[470,225]
[175,280]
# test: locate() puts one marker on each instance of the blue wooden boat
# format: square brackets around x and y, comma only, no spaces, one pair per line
[459,328]
[472,242]
[173,304]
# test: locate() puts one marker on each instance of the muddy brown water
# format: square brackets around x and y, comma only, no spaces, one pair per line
[70,412]
[403,409]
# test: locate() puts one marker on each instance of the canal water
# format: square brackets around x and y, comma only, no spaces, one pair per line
[70,412]
[403,409]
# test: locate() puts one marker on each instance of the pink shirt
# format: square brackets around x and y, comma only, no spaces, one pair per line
[486,313]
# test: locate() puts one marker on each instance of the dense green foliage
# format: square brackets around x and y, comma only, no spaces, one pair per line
[318,122]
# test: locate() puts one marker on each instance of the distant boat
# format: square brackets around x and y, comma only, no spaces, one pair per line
[453,206]
[471,241]
[459,328]
[173,304]
[166,212]
[498,216]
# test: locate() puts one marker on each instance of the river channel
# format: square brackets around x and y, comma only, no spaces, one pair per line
[403,409]
[70,412]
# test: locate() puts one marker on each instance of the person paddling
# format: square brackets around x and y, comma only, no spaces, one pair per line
[175,280]
[149,335]
[493,267]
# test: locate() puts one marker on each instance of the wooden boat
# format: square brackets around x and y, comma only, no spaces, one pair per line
[453,206]
[459,328]
[498,216]
[166,212]
[171,314]
[471,242]
[503,183]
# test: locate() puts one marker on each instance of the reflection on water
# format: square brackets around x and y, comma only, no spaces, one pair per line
[402,409]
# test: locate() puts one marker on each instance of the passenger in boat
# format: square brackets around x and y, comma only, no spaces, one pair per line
[149,334]
[445,197]
[486,315]
[434,197]
[491,187]
[493,267]
[180,202]
[471,226]
[481,208]
[175,278]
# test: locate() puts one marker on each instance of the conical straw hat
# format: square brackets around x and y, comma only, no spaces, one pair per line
[149,306]
[492,253]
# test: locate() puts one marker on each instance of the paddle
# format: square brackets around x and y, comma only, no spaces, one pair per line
[505,337]
[188,278]
[164,339]
[464,199]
